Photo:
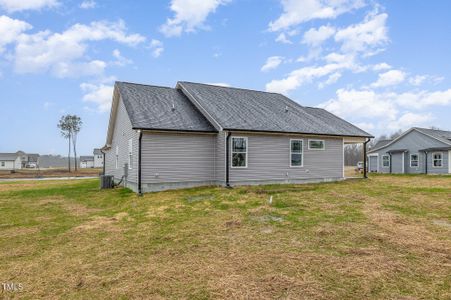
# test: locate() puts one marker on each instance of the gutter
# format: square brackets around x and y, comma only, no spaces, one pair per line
[227,158]
[426,162]
[139,162]
[298,132]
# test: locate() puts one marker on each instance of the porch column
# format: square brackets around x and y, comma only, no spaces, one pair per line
[365,173]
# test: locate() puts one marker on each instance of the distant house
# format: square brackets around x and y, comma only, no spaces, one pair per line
[86,162]
[10,161]
[197,134]
[416,151]
[28,160]
[98,158]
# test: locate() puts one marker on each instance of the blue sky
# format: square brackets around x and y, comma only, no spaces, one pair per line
[382,65]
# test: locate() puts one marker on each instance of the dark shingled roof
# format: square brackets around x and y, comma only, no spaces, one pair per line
[161,108]
[97,152]
[249,110]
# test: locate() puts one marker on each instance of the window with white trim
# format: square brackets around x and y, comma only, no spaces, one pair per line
[130,153]
[239,152]
[3,163]
[117,156]
[414,160]
[386,161]
[437,159]
[296,153]
[316,145]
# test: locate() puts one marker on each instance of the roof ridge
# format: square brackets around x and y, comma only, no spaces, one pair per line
[432,129]
[229,87]
[143,84]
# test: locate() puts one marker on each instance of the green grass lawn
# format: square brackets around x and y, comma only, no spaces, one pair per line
[385,237]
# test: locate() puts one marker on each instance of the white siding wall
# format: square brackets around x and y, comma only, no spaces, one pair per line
[98,161]
[269,160]
[122,133]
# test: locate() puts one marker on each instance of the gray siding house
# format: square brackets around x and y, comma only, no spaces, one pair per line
[416,151]
[197,134]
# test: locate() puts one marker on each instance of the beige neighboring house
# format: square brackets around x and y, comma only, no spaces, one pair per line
[10,161]
[98,158]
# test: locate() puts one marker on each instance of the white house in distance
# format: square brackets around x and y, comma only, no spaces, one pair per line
[98,158]
[10,161]
[86,162]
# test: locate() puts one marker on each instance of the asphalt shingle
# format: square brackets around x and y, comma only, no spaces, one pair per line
[161,108]
[241,109]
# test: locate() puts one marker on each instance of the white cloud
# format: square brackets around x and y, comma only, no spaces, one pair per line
[99,94]
[120,60]
[361,104]
[409,119]
[157,48]
[422,99]
[296,12]
[315,37]
[88,4]
[330,80]
[392,77]
[282,38]
[381,67]
[272,62]
[10,29]
[420,79]
[305,75]
[63,54]
[371,33]
[20,5]
[190,15]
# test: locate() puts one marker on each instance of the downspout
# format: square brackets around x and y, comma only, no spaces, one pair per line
[227,158]
[365,173]
[426,162]
[139,163]
[103,153]
[389,155]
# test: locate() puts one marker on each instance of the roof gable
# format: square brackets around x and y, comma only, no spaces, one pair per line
[436,138]
[161,108]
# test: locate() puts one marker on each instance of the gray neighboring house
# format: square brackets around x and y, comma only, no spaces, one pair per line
[416,151]
[197,134]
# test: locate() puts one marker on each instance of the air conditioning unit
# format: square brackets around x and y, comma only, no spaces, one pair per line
[106,181]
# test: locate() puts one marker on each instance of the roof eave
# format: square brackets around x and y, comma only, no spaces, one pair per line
[299,132]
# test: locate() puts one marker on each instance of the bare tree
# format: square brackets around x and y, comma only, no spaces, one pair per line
[75,126]
[65,129]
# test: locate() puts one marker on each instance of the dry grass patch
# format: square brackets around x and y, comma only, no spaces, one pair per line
[382,238]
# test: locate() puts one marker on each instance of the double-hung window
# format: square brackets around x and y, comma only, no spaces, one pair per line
[239,152]
[413,160]
[437,159]
[130,153]
[296,153]
[316,145]
[386,161]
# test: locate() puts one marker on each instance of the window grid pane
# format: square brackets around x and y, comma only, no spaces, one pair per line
[239,152]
